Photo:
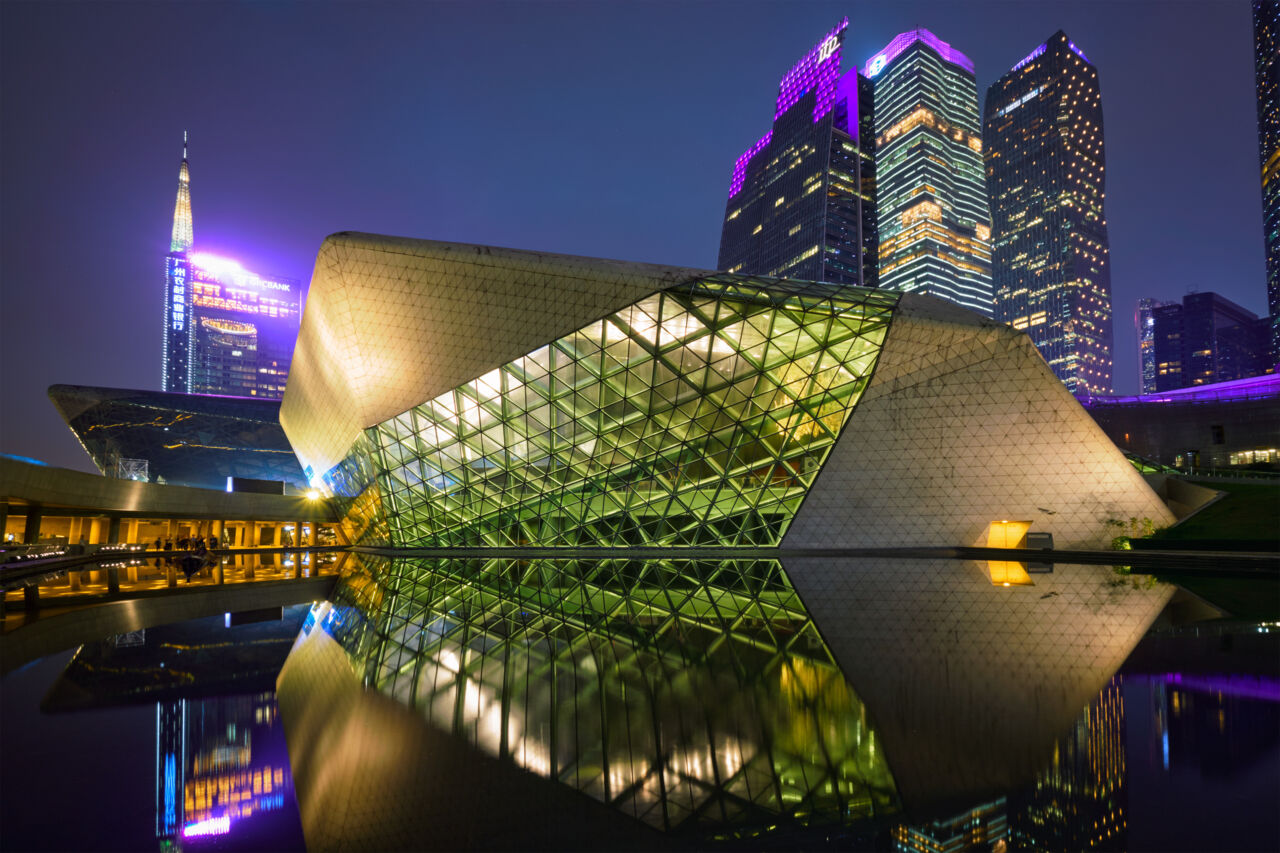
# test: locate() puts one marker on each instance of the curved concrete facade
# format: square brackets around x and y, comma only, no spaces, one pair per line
[959,423]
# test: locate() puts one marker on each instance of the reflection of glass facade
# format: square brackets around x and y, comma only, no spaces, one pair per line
[1046,175]
[935,227]
[802,199]
[180,439]
[694,695]
[699,415]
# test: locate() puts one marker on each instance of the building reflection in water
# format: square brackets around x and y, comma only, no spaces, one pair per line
[219,763]
[1078,802]
[690,694]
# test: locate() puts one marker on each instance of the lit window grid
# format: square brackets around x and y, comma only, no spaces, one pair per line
[698,416]
[680,692]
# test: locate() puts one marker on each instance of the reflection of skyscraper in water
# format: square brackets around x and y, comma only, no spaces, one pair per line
[1079,801]
[983,827]
[219,761]
[1217,726]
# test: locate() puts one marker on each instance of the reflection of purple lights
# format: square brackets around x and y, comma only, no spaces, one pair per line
[1242,686]
[903,41]
[740,165]
[212,826]
[817,71]
[1254,387]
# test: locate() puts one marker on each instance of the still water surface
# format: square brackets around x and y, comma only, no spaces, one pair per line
[681,703]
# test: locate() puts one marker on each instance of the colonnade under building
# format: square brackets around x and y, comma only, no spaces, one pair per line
[68,527]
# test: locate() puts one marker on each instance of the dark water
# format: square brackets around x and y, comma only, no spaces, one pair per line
[684,704]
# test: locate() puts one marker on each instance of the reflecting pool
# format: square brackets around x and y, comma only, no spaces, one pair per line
[756,703]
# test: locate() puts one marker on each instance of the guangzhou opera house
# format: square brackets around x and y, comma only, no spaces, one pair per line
[460,396]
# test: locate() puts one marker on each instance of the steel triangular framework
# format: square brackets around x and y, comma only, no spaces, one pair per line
[699,415]
[694,695]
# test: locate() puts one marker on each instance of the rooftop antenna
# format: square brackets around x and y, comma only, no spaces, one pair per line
[184,145]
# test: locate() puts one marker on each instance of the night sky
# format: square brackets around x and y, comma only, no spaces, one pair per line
[601,129]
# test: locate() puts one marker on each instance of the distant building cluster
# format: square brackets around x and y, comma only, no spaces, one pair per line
[890,177]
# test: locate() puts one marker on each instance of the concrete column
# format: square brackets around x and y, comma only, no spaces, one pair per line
[95,530]
[113,531]
[248,568]
[219,573]
[131,531]
[215,529]
[132,574]
[31,531]
[73,580]
[31,598]
[113,581]
[313,534]
[4,525]
[171,575]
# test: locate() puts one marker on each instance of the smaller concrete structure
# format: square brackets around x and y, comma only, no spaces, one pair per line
[1228,424]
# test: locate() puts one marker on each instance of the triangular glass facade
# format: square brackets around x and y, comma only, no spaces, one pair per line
[694,695]
[699,415]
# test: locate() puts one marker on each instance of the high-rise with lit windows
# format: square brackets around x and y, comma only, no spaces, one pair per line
[1266,58]
[802,198]
[931,206]
[226,330]
[1046,176]
[1144,323]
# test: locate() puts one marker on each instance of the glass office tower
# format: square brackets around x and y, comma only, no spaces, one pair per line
[226,330]
[1266,56]
[935,228]
[1144,323]
[802,198]
[1046,176]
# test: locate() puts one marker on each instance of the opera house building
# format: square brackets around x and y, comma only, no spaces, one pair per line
[475,397]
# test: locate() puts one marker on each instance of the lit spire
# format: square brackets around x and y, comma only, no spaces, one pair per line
[183,237]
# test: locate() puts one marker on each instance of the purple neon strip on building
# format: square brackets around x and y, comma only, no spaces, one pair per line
[893,49]
[740,165]
[818,71]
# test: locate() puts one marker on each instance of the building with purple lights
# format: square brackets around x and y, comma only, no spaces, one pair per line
[226,330]
[931,211]
[1209,426]
[1046,178]
[802,197]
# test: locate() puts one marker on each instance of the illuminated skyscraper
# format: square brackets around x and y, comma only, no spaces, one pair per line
[802,198]
[1046,175]
[226,330]
[1206,339]
[1144,322]
[1266,58]
[932,214]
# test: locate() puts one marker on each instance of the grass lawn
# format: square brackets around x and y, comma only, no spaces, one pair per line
[1249,511]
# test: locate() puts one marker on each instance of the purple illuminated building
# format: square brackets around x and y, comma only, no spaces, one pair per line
[226,330]
[802,197]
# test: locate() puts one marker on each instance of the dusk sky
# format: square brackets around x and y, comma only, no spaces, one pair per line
[606,129]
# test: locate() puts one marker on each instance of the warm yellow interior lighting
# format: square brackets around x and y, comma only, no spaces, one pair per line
[1008,534]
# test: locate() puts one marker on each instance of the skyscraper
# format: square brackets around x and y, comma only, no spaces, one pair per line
[226,330]
[1046,176]
[931,207]
[1207,339]
[802,198]
[1266,58]
[1144,323]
